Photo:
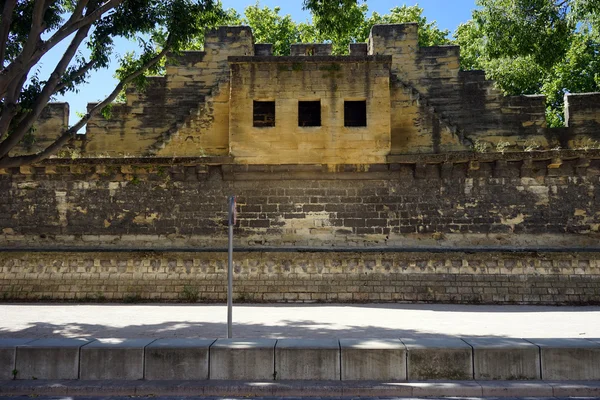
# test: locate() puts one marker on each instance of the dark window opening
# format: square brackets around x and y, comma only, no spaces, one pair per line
[264,113]
[355,113]
[309,113]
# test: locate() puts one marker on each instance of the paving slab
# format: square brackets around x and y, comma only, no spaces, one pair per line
[376,388]
[237,388]
[33,387]
[576,389]
[569,359]
[114,359]
[177,359]
[243,359]
[308,388]
[516,389]
[170,388]
[307,359]
[8,356]
[438,359]
[373,359]
[49,359]
[446,389]
[504,359]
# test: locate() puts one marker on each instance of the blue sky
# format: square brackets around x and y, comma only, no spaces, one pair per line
[448,14]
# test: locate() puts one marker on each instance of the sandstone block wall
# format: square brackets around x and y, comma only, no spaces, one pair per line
[52,122]
[330,81]
[481,278]
[418,102]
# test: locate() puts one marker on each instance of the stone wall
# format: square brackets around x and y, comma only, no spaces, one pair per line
[536,200]
[417,101]
[486,277]
[331,81]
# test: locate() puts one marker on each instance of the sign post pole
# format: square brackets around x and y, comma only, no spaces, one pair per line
[232,218]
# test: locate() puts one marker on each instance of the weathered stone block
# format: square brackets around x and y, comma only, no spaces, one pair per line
[121,359]
[177,359]
[569,359]
[8,356]
[238,359]
[49,359]
[373,359]
[439,358]
[307,359]
[504,359]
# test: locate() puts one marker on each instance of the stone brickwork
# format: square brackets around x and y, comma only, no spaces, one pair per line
[548,201]
[343,167]
[490,277]
[331,81]
[417,101]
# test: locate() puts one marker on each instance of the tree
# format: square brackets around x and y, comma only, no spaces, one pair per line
[30,29]
[270,27]
[337,22]
[535,46]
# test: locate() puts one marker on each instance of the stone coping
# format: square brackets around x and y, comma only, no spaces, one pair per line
[310,59]
[424,158]
[326,359]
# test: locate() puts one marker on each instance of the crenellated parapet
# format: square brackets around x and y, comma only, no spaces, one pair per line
[387,97]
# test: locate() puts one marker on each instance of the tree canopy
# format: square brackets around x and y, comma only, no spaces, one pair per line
[550,47]
[339,22]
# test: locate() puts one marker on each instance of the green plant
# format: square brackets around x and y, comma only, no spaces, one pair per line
[132,298]
[502,146]
[135,180]
[14,373]
[331,68]
[586,144]
[530,145]
[190,294]
[480,146]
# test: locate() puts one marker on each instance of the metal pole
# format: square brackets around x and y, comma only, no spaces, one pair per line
[230,267]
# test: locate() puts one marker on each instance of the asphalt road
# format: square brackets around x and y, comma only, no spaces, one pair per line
[297,321]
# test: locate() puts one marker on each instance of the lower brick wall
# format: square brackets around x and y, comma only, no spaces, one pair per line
[267,276]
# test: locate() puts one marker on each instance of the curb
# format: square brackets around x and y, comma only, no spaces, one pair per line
[302,388]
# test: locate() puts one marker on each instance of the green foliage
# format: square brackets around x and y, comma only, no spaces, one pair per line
[337,22]
[429,33]
[270,27]
[550,47]
[190,294]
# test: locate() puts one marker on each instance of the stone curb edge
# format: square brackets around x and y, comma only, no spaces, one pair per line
[303,388]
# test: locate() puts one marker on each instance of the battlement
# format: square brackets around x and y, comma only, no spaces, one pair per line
[387,97]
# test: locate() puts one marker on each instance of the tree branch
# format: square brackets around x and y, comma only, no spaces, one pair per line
[78,12]
[24,62]
[69,134]
[7,11]
[11,107]
[75,75]
[42,99]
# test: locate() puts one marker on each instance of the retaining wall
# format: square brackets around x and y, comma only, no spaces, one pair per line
[260,276]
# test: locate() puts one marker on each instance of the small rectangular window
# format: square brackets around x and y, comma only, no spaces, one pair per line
[264,113]
[309,113]
[355,113]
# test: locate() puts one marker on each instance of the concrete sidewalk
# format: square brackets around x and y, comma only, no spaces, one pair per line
[297,321]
